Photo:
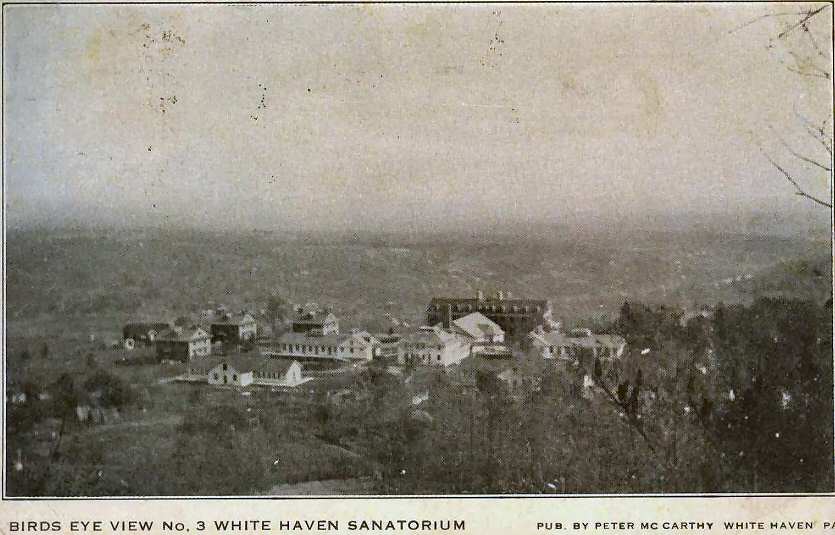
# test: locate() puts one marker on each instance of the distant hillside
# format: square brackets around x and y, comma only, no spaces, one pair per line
[59,279]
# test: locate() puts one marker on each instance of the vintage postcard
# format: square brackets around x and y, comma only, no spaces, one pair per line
[402,267]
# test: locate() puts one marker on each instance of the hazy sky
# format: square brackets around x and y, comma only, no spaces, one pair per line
[279,116]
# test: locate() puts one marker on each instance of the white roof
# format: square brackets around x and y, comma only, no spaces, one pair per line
[478,325]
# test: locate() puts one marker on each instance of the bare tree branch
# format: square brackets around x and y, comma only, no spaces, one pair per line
[799,156]
[807,16]
[824,75]
[766,16]
[816,131]
[824,142]
[799,191]
[805,66]
[807,159]
[814,41]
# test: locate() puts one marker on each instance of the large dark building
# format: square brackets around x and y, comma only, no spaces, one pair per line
[516,317]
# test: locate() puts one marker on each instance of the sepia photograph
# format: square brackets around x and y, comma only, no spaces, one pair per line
[449,249]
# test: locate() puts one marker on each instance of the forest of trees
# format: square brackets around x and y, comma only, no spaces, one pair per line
[737,403]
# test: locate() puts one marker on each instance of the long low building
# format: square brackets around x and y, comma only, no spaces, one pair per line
[244,371]
[357,346]
[578,345]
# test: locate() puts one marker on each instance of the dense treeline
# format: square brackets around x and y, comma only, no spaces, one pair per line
[740,402]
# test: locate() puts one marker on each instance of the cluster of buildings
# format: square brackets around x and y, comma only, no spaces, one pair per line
[179,342]
[456,328]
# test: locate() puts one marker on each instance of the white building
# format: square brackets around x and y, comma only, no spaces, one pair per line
[433,347]
[346,347]
[245,371]
[577,344]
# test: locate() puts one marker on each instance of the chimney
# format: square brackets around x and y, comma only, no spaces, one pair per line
[479,295]
[448,319]
[509,295]
[500,295]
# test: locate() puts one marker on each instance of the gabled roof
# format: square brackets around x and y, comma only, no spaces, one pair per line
[156,325]
[182,335]
[433,336]
[303,338]
[233,319]
[478,325]
[314,318]
[367,337]
[245,364]
[613,341]
[555,338]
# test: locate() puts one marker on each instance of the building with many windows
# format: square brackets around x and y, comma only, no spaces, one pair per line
[433,347]
[578,345]
[334,347]
[244,371]
[516,317]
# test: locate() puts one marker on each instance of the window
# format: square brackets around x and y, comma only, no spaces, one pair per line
[439,358]
[215,377]
[234,376]
[225,367]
